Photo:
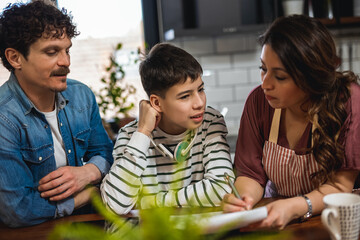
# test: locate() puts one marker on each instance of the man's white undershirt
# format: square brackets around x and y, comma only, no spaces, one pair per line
[59,149]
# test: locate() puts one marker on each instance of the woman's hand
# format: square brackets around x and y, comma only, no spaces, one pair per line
[230,203]
[280,213]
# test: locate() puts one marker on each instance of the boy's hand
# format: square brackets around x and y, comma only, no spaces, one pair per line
[230,203]
[84,197]
[148,118]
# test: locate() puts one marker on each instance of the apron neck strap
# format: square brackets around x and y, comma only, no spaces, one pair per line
[274,130]
[275,124]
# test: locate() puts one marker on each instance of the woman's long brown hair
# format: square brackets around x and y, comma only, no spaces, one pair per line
[307,51]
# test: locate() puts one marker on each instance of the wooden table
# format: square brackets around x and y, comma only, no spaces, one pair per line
[309,230]
[41,231]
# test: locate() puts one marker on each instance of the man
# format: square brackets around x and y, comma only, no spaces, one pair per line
[50,125]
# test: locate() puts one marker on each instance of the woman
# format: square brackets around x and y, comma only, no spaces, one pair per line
[299,130]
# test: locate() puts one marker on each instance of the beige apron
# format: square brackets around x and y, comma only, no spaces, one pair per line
[289,172]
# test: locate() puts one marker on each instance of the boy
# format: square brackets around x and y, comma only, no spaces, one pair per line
[176,154]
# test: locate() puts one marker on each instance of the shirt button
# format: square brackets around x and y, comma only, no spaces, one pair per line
[61,124]
[69,151]
[40,158]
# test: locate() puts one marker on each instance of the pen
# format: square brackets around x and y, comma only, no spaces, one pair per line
[227,178]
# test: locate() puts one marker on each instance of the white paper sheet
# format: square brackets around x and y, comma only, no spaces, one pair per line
[218,221]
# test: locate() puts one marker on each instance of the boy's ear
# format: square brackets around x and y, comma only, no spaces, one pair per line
[14,57]
[155,102]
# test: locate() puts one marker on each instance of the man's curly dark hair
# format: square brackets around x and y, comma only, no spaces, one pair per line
[23,24]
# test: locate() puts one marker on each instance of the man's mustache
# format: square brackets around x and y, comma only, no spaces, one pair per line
[60,72]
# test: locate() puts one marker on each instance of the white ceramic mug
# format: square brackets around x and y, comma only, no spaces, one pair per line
[341,215]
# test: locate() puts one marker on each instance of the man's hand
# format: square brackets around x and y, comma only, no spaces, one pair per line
[149,118]
[66,181]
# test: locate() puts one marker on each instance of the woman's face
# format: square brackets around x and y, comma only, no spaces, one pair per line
[279,88]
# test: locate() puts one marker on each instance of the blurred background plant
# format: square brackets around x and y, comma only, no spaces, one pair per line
[116,97]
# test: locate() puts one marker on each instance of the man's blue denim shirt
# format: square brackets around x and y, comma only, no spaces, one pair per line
[27,151]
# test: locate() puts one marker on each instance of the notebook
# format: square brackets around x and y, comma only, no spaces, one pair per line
[218,221]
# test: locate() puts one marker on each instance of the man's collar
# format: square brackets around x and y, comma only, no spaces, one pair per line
[61,101]
[14,85]
[20,95]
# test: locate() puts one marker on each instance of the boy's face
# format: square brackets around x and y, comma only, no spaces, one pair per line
[183,107]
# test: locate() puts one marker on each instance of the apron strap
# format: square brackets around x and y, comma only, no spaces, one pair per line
[274,130]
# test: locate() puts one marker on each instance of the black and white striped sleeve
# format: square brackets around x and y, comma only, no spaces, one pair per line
[121,186]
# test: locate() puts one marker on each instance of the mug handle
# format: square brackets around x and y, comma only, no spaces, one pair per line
[330,219]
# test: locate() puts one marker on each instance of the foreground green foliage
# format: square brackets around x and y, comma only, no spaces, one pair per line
[155,224]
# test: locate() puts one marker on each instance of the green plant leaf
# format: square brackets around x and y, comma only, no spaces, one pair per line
[118,46]
[79,231]
[113,98]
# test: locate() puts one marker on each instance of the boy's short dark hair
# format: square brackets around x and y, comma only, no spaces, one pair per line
[165,66]
[23,24]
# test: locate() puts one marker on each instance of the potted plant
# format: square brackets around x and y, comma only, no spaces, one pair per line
[113,98]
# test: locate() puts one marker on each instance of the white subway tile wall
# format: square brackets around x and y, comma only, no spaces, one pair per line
[229,44]
[230,64]
[205,46]
[234,76]
[220,95]
[210,78]
[216,62]
[231,69]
